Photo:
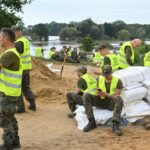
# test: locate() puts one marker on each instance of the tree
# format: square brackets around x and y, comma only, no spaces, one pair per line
[141,33]
[87,43]
[109,30]
[41,30]
[87,27]
[8,9]
[68,33]
[124,35]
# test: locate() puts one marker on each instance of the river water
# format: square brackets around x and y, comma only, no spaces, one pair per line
[54,41]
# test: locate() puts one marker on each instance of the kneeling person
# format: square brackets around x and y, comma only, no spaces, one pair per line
[86,84]
[108,97]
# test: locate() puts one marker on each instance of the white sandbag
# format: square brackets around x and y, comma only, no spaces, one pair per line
[144,70]
[50,67]
[134,94]
[101,116]
[146,83]
[129,76]
[136,108]
[133,86]
[148,91]
[148,98]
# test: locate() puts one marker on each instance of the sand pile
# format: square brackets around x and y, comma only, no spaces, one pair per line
[46,85]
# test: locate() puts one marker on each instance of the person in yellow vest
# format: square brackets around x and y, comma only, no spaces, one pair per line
[23,47]
[10,89]
[108,97]
[97,58]
[39,51]
[126,54]
[147,59]
[109,58]
[52,53]
[85,84]
[69,51]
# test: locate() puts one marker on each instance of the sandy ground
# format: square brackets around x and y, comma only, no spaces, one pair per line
[50,129]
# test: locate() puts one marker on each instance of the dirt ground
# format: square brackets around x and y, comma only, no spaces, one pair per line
[50,129]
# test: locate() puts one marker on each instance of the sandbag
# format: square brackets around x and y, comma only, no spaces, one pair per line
[138,107]
[134,94]
[101,116]
[129,76]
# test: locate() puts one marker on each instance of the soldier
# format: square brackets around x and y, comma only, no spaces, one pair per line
[108,97]
[126,54]
[86,84]
[10,89]
[23,47]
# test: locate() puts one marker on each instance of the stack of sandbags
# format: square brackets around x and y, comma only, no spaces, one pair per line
[146,82]
[132,81]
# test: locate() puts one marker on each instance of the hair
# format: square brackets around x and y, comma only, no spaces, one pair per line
[9,33]
[16,28]
[101,47]
[82,69]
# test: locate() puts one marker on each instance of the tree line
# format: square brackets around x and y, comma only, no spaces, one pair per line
[75,31]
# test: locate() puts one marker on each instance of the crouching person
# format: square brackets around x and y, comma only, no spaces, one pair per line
[86,84]
[108,97]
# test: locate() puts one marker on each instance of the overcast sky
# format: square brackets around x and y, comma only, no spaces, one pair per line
[100,11]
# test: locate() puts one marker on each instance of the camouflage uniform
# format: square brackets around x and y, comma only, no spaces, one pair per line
[8,121]
[114,103]
[26,91]
[73,100]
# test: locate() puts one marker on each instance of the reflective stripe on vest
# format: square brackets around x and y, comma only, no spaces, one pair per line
[122,56]
[38,52]
[97,57]
[147,59]
[113,85]
[10,81]
[114,61]
[91,84]
[25,56]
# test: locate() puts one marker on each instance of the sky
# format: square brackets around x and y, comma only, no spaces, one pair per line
[100,11]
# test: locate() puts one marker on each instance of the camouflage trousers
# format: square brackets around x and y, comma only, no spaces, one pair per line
[115,104]
[26,91]
[8,121]
[73,100]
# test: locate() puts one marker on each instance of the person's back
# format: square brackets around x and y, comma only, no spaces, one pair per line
[126,55]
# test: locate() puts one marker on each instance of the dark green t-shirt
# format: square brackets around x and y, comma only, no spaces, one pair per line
[10,61]
[82,84]
[107,61]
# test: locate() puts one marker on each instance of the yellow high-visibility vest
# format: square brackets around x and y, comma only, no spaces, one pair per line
[51,53]
[10,81]
[122,56]
[38,52]
[113,85]
[97,57]
[25,56]
[91,84]
[147,59]
[114,61]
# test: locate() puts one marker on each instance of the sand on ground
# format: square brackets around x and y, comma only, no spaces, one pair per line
[50,129]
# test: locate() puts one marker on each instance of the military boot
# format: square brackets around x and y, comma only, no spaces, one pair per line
[71,115]
[91,125]
[32,107]
[116,128]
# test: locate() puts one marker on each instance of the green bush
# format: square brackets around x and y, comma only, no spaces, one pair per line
[87,43]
